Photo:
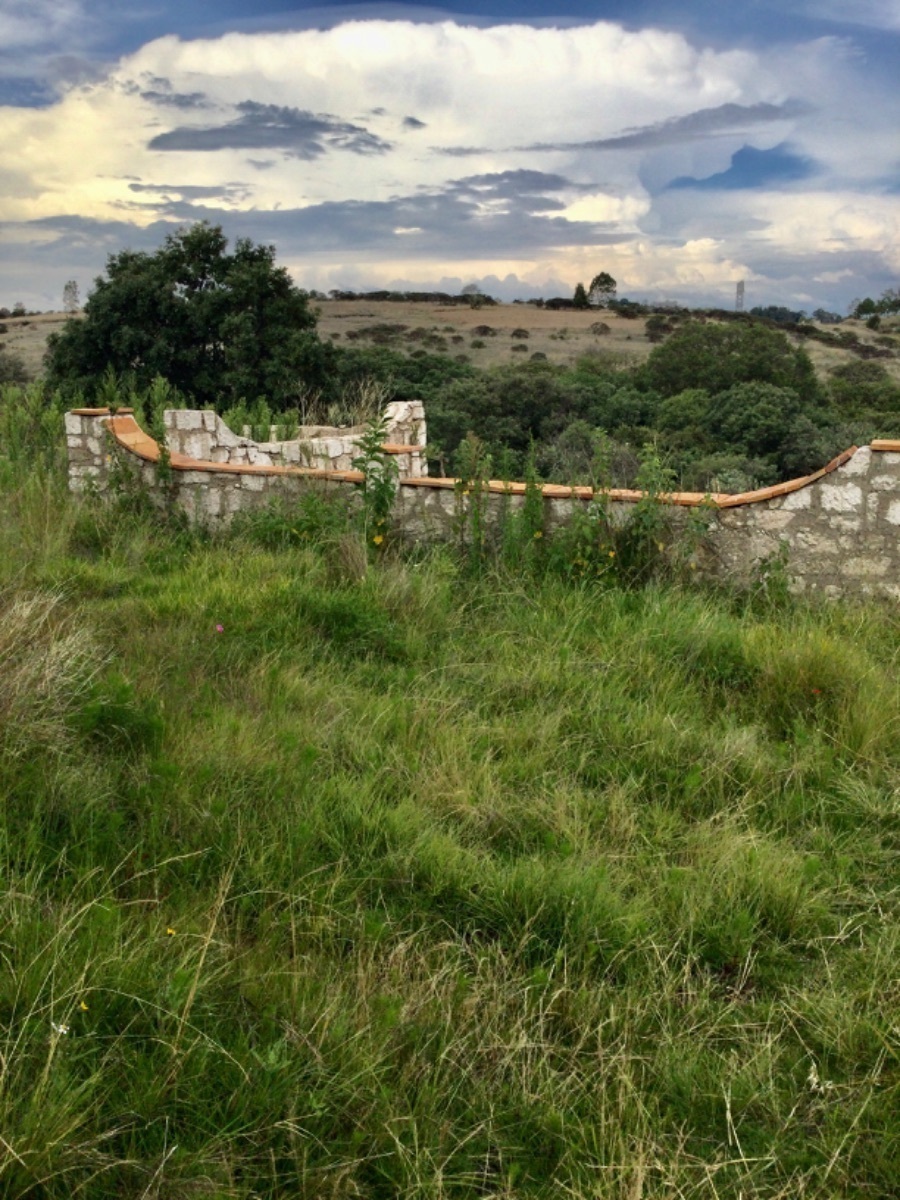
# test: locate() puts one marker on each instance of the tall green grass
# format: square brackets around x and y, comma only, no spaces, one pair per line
[325,876]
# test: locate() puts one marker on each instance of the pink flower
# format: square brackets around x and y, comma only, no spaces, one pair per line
[220,629]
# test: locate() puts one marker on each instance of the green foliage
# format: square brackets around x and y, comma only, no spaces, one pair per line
[778,313]
[715,357]
[580,299]
[217,326]
[602,290]
[312,517]
[857,388]
[753,417]
[32,433]
[473,465]
[380,475]
[12,367]
[888,304]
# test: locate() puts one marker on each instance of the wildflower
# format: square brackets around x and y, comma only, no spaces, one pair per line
[83,1006]
[817,691]
[220,629]
[170,932]
[660,547]
[538,533]
[62,1030]
[378,539]
[612,554]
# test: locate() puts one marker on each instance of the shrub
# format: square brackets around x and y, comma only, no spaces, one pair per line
[715,357]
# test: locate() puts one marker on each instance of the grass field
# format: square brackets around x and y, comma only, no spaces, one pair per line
[563,336]
[329,877]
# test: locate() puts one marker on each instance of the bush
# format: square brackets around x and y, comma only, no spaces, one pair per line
[856,387]
[12,367]
[716,357]
[754,417]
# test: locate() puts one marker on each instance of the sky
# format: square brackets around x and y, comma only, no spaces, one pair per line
[680,145]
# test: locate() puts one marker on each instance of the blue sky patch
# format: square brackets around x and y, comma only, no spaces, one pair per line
[752,168]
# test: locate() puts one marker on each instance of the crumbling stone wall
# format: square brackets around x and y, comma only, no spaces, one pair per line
[840,526]
[205,436]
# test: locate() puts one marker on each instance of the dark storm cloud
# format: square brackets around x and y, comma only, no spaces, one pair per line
[182,100]
[462,151]
[191,191]
[482,216]
[706,122]
[522,191]
[299,133]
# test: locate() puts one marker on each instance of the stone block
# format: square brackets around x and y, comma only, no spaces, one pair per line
[841,498]
[864,566]
[859,464]
[212,502]
[892,516]
[885,483]
[73,424]
[797,501]
[774,520]
[253,483]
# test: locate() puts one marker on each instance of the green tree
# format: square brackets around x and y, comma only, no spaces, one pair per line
[580,299]
[755,418]
[217,326]
[602,289]
[715,357]
[863,387]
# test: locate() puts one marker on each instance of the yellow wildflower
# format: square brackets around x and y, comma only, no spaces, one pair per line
[170,932]
[612,554]
[83,1006]
[378,539]
[538,533]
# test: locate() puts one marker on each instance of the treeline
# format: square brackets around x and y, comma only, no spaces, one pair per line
[730,406]
[464,300]
[728,398]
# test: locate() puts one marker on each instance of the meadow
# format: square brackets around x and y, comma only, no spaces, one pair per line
[335,871]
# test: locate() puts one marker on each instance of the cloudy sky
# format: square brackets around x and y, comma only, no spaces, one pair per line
[681,145]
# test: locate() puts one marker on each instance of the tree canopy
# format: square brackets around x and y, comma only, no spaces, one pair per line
[716,357]
[602,289]
[219,326]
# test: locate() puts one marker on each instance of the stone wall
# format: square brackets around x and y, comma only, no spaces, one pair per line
[842,532]
[841,525]
[204,436]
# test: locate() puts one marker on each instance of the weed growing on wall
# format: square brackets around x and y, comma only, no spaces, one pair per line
[32,433]
[312,517]
[379,488]
[471,495]
[520,541]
